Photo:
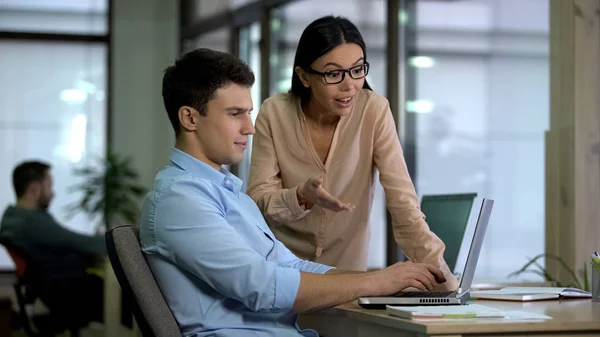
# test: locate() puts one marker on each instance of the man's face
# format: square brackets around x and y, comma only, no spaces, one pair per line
[223,132]
[45,192]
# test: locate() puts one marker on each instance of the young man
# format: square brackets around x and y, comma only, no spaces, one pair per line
[56,267]
[219,266]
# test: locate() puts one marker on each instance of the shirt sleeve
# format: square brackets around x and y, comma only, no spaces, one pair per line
[287,259]
[411,231]
[55,235]
[192,231]
[278,205]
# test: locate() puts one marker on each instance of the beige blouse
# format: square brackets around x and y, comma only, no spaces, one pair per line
[283,157]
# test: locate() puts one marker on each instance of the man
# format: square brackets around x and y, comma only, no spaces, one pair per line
[55,264]
[219,266]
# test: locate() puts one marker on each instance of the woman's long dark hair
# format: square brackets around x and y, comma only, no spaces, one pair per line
[320,37]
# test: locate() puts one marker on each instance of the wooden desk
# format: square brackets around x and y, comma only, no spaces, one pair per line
[569,318]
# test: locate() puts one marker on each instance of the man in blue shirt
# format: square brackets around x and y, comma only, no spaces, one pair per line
[219,266]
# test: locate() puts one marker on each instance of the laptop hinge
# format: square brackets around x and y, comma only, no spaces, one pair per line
[460,292]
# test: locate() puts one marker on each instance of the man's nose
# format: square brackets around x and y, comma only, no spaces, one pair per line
[248,128]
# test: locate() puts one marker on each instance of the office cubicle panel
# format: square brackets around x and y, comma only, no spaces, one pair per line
[447,216]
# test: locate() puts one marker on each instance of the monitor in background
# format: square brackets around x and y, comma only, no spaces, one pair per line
[448,216]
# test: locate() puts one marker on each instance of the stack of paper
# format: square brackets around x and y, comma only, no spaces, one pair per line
[524,294]
[458,312]
[444,311]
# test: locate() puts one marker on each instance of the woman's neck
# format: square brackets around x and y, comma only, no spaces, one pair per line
[316,114]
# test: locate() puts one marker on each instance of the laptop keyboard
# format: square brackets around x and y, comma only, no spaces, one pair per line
[425,294]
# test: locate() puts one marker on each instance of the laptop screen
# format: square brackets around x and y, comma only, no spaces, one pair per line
[476,243]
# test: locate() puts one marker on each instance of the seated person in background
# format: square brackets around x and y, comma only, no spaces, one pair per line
[218,265]
[55,254]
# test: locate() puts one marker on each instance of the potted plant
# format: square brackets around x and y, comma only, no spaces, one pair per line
[533,266]
[110,191]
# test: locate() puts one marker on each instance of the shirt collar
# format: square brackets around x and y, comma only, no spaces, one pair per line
[198,168]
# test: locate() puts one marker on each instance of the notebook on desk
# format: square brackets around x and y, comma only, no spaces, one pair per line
[444,312]
[526,294]
[458,297]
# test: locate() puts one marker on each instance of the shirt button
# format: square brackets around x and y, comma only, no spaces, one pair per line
[319,251]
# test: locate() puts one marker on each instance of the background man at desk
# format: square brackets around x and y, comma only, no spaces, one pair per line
[55,264]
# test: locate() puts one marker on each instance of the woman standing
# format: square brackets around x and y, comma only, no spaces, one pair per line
[323,141]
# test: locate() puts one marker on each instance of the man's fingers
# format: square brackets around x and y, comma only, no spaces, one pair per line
[416,284]
[421,277]
[437,273]
[426,278]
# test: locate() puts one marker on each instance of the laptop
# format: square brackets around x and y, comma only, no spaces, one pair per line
[458,297]
[447,216]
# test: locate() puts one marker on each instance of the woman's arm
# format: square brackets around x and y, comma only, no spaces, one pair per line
[278,205]
[411,231]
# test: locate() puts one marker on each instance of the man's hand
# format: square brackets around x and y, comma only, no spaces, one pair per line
[336,286]
[312,192]
[402,275]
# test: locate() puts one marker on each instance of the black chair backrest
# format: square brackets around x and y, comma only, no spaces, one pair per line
[150,309]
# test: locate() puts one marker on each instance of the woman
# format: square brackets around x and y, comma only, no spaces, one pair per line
[325,138]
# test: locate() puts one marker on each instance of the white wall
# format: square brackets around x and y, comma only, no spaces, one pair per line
[145,40]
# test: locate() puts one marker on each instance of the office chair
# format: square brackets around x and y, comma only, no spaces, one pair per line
[46,325]
[150,309]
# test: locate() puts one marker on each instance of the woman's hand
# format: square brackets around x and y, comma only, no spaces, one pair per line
[311,192]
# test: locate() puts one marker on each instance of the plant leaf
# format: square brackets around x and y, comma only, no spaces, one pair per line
[110,189]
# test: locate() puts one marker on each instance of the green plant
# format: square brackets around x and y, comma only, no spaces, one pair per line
[110,191]
[533,266]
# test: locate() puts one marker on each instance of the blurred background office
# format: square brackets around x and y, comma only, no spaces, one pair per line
[474,100]
[468,82]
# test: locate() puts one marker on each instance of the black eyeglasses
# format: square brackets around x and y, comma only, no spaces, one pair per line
[337,76]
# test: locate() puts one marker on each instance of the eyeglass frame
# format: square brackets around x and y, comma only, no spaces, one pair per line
[344,71]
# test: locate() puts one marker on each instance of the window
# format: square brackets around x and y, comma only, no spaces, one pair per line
[52,95]
[481,107]
[250,53]
[68,17]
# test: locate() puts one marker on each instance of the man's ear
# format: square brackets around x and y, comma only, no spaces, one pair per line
[188,118]
[35,188]
[303,76]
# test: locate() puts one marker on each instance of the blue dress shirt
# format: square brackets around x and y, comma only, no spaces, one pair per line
[218,265]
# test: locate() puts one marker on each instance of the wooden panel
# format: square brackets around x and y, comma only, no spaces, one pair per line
[587,128]
[561,64]
[573,141]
